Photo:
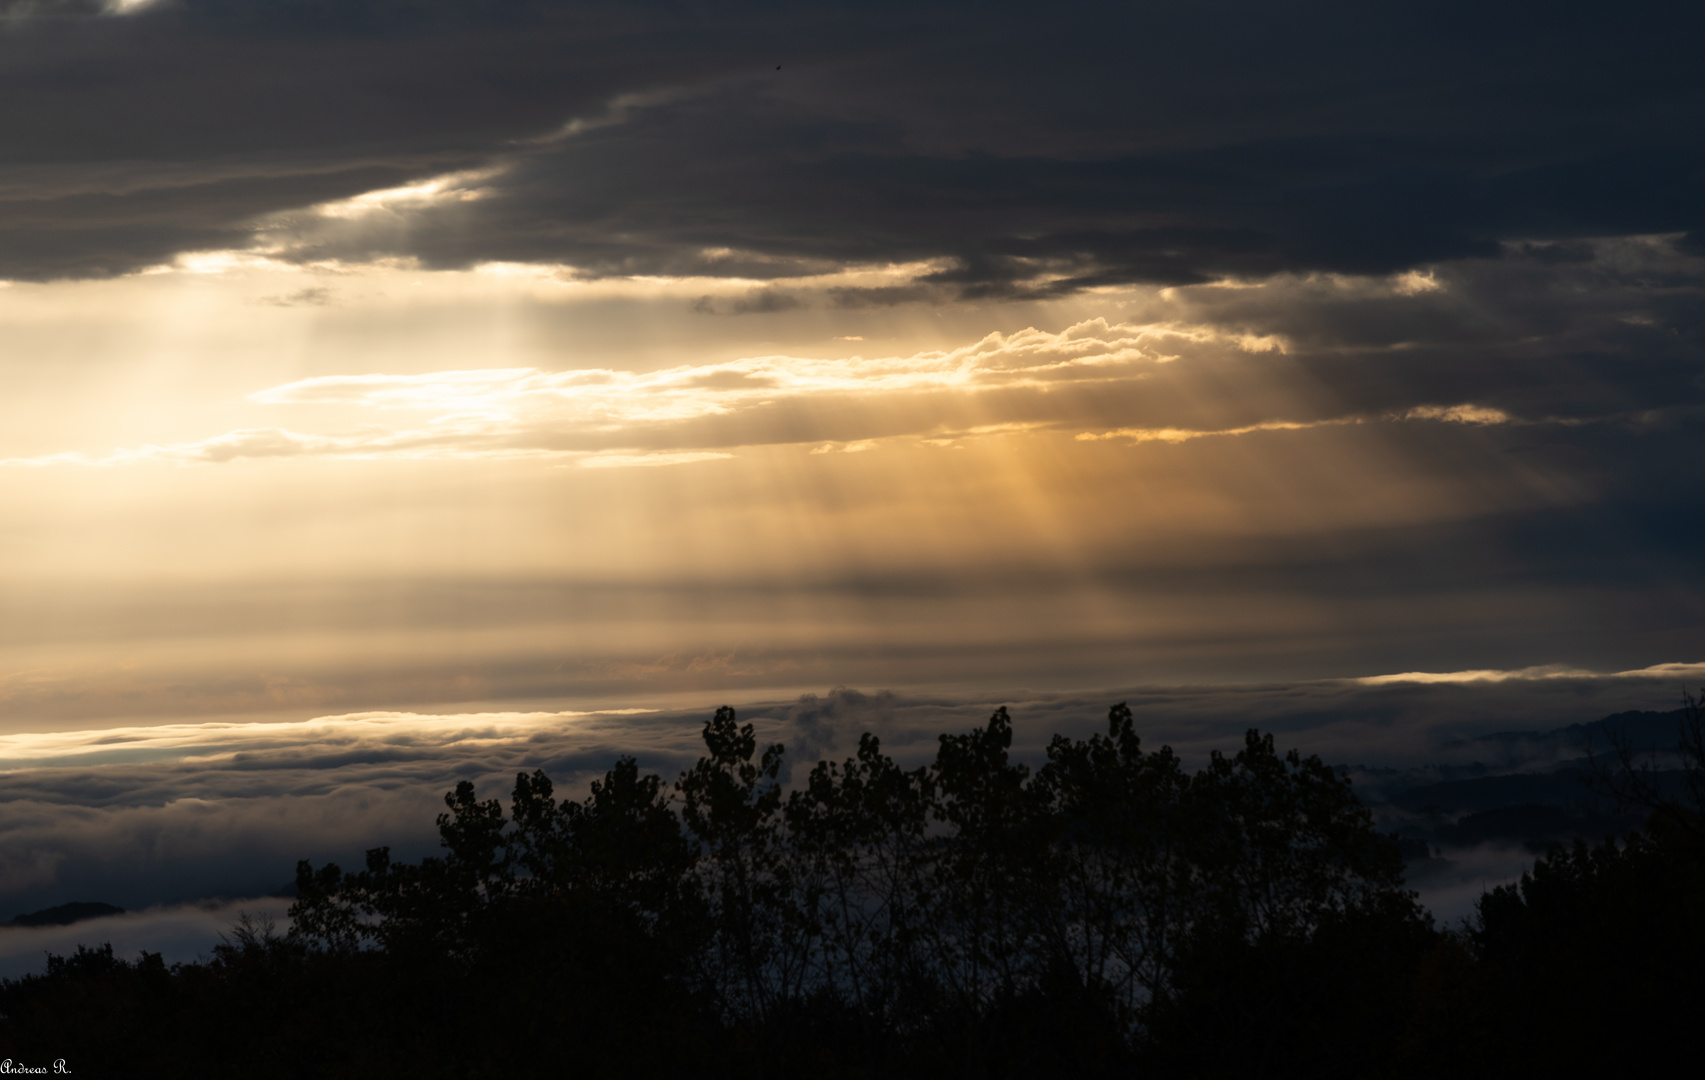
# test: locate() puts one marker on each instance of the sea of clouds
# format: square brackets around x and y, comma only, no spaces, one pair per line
[187,825]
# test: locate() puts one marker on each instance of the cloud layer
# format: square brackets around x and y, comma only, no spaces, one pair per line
[433,368]
[1470,344]
[1033,153]
[159,815]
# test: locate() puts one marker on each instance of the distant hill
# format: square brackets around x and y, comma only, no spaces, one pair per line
[66,914]
[1527,789]
[1511,749]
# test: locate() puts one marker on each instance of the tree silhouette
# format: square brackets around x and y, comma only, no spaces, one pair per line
[1106,912]
[1630,776]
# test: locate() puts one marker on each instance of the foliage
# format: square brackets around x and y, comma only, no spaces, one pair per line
[1590,963]
[915,913]
[1631,777]
[1105,912]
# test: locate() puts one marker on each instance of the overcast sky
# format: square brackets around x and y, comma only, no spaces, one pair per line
[522,358]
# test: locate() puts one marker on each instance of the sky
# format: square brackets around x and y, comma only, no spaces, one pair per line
[378,372]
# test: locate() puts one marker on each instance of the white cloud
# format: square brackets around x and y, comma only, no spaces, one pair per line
[1452,414]
[1093,350]
[1548,671]
[858,447]
[605,417]
[436,190]
[1415,282]
[1178,435]
[611,418]
[625,461]
[618,110]
[1458,414]
[217,741]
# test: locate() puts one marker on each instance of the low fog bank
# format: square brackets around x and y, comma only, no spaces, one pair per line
[179,933]
[1451,884]
[1478,814]
[1476,771]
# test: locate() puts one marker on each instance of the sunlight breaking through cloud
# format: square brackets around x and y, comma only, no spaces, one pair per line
[610,418]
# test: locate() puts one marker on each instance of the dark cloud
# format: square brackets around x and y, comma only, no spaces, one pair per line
[1540,166]
[760,301]
[314,296]
[1033,151]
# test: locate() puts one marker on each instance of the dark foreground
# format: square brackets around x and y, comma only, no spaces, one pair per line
[1106,915]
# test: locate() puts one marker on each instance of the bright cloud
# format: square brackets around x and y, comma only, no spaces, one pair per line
[221,741]
[1549,671]
[1458,414]
[610,418]
[1091,350]
[451,187]
[605,417]
[1178,435]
